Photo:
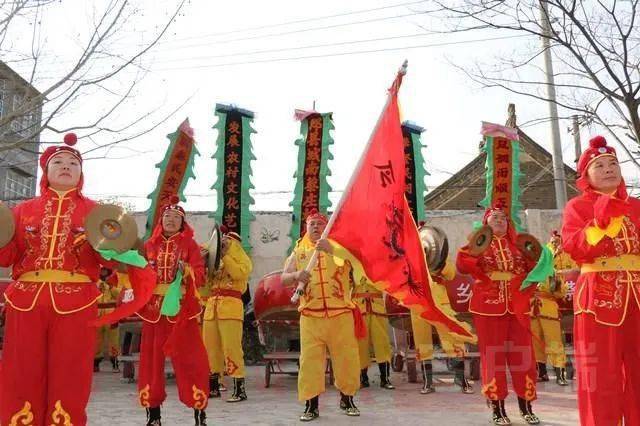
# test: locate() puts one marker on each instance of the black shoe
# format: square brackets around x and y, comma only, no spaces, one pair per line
[96,364]
[153,416]
[239,393]
[385,375]
[561,376]
[115,365]
[200,417]
[542,372]
[214,385]
[459,378]
[348,406]
[427,378]
[527,413]
[364,378]
[499,415]
[311,411]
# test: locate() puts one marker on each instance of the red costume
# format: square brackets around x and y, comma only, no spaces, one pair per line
[602,234]
[49,343]
[176,336]
[500,315]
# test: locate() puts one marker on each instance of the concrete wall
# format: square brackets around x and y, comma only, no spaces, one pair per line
[270,240]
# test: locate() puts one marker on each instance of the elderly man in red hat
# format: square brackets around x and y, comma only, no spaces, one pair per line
[49,341]
[170,319]
[224,316]
[601,232]
[501,317]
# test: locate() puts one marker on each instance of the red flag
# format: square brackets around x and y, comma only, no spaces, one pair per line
[375,226]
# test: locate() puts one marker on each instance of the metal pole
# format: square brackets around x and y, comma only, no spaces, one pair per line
[558,165]
[575,131]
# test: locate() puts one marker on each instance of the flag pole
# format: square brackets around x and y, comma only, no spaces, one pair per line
[314,257]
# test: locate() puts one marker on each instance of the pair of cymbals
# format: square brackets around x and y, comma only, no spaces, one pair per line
[436,246]
[110,227]
[7,225]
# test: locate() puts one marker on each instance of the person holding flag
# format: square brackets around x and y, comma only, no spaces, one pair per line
[329,320]
[170,319]
[601,232]
[501,313]
[372,229]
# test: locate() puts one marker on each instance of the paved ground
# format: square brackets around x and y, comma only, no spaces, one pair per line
[114,403]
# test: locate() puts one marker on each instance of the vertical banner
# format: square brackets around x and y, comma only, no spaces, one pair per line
[415,169]
[312,190]
[175,171]
[233,156]
[502,146]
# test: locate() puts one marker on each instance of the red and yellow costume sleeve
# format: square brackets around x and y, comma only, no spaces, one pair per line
[602,234]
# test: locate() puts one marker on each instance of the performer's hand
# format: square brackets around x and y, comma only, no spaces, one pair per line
[181,266]
[324,245]
[303,276]
[607,207]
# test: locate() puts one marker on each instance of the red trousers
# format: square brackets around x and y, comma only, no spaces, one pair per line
[608,368]
[191,366]
[504,341]
[47,366]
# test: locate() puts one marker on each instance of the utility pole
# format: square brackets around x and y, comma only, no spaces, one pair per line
[559,179]
[575,131]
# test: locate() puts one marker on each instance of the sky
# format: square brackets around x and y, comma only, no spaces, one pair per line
[208,57]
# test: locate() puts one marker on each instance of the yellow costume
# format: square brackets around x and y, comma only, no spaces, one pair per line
[423,330]
[423,335]
[108,341]
[224,313]
[545,316]
[326,322]
[371,303]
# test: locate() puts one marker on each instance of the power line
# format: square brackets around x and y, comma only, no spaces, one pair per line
[357,52]
[301,21]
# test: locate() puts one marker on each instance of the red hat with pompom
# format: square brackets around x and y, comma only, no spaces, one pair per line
[70,139]
[597,148]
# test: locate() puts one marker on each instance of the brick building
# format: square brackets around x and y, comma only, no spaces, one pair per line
[465,189]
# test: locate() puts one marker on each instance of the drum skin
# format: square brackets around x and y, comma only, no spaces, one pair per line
[272,303]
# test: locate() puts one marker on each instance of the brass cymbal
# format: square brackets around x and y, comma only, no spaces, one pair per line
[480,240]
[436,246]
[529,246]
[213,249]
[7,225]
[109,227]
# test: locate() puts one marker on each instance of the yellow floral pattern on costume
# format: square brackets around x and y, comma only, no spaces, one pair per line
[530,389]
[200,398]
[143,396]
[490,390]
[22,417]
[60,416]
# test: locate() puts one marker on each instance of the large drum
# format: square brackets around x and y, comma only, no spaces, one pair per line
[272,306]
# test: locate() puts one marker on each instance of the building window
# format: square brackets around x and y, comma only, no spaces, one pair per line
[18,186]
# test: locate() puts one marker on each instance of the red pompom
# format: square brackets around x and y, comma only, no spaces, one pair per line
[597,142]
[70,139]
[175,199]
[312,212]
